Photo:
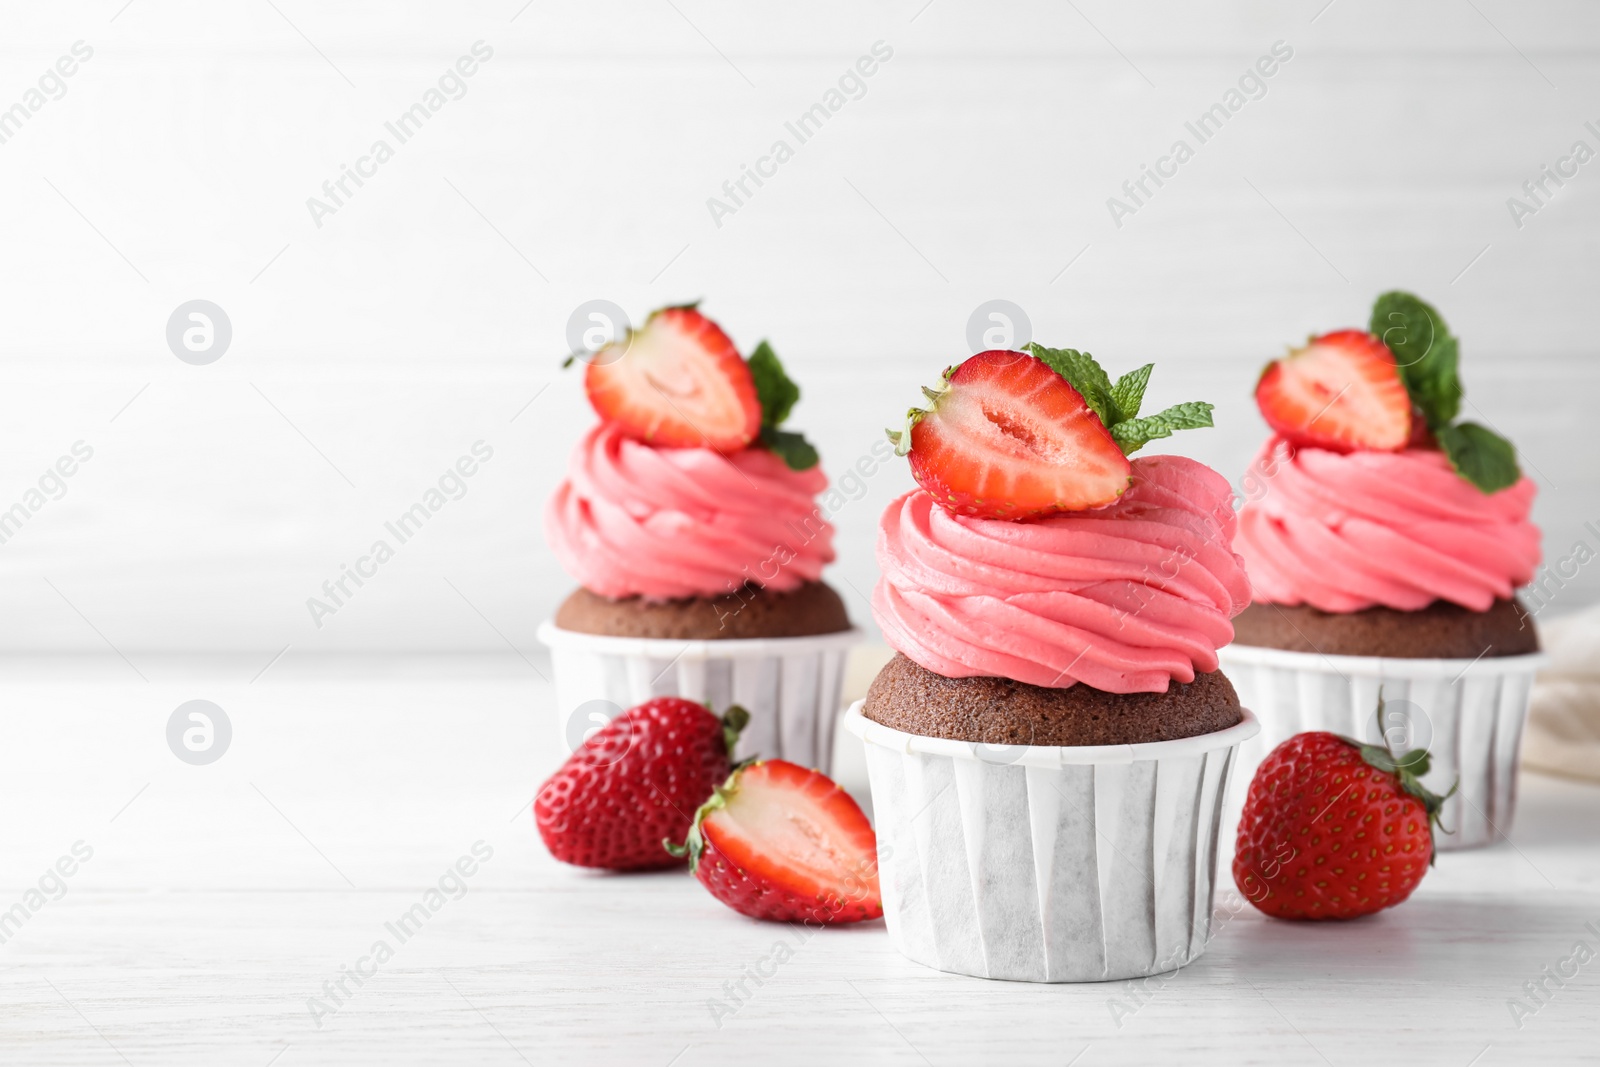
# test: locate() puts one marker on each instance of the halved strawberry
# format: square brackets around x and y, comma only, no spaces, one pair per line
[676,381]
[1007,438]
[781,842]
[1341,392]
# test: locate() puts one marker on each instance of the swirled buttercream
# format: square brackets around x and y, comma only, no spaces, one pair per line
[1343,532]
[1124,598]
[635,520]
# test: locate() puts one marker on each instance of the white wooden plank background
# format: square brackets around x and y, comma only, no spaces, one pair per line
[220,898]
[976,166]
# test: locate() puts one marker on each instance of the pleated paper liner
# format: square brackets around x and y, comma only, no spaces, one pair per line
[1468,713]
[1048,864]
[789,685]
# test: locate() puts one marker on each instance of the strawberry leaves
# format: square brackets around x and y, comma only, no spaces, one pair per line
[778,394]
[1409,768]
[1429,356]
[1118,404]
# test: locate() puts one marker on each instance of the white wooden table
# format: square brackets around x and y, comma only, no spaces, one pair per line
[220,898]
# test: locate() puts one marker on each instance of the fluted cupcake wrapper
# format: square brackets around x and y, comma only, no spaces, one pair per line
[1048,864]
[789,685]
[1469,714]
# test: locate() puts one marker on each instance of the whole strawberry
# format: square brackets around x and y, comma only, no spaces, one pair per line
[785,843]
[636,781]
[1333,829]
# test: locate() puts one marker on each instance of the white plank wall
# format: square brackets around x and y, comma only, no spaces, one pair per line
[426,314]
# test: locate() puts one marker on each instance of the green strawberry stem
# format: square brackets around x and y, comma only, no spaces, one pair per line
[1409,768]
[734,720]
[695,844]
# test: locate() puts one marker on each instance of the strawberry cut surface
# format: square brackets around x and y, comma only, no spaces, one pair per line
[1008,437]
[677,381]
[1341,392]
[784,843]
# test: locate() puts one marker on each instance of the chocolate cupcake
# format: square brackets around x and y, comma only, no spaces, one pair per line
[753,611]
[1049,748]
[1441,630]
[692,522]
[1000,711]
[1385,541]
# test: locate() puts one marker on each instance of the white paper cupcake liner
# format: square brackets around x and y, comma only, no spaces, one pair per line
[1048,864]
[1468,713]
[789,685]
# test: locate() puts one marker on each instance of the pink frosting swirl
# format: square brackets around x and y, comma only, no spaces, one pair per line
[635,520]
[1124,598]
[1343,532]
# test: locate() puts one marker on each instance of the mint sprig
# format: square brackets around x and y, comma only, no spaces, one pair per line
[775,389]
[1085,375]
[1118,404]
[1429,358]
[791,447]
[1480,455]
[1128,393]
[778,394]
[1133,434]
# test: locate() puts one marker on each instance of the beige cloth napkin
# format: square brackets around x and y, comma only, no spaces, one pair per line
[1563,734]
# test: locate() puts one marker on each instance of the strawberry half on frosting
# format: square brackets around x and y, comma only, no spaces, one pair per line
[676,381]
[690,485]
[1342,392]
[1037,551]
[1373,492]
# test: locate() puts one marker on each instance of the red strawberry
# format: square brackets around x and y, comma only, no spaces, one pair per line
[783,843]
[1334,830]
[1009,438]
[1341,392]
[637,780]
[677,381]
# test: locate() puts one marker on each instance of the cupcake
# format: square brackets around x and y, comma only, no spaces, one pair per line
[690,520]
[1049,747]
[1385,541]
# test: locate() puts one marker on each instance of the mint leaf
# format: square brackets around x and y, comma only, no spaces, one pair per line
[1118,405]
[776,390]
[790,447]
[778,394]
[1133,434]
[1083,374]
[1429,359]
[1480,455]
[1426,352]
[1128,393]
[1435,385]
